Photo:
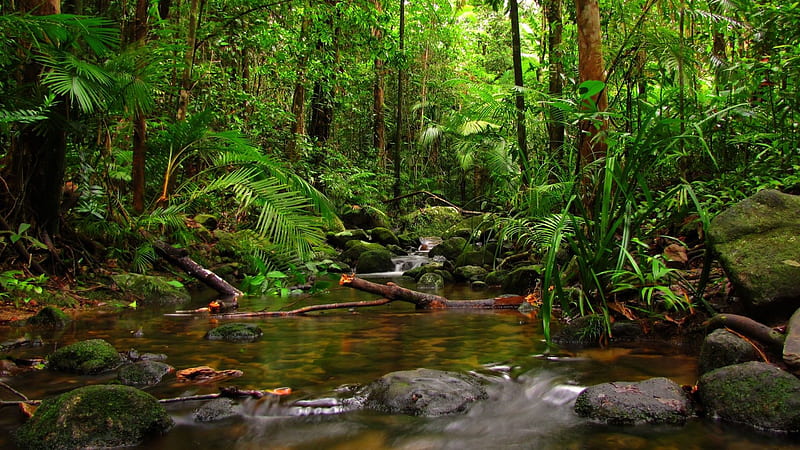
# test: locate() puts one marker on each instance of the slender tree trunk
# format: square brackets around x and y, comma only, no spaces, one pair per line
[299,102]
[138,38]
[188,60]
[398,136]
[519,97]
[555,128]
[379,95]
[590,67]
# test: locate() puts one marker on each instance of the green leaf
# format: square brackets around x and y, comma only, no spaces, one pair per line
[590,88]
[276,274]
[175,283]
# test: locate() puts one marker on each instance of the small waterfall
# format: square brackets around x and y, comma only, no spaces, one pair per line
[412,260]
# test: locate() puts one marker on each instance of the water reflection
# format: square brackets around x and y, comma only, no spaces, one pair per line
[531,390]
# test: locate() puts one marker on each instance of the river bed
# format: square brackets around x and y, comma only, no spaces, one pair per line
[531,390]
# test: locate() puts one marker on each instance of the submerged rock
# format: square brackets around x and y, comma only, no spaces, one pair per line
[754,393]
[235,332]
[722,348]
[143,373]
[424,392]
[653,401]
[215,410]
[758,242]
[150,289]
[85,357]
[50,316]
[94,417]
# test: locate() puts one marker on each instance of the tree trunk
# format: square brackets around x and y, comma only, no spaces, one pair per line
[188,60]
[138,38]
[519,97]
[298,102]
[180,258]
[398,134]
[555,128]
[378,95]
[38,154]
[590,67]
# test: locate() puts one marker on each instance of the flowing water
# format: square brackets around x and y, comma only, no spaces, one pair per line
[531,391]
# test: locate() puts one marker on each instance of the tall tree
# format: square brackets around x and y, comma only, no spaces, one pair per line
[378,92]
[188,59]
[137,39]
[590,68]
[555,29]
[398,134]
[519,97]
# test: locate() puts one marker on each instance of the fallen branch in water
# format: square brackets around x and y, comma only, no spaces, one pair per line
[422,300]
[306,309]
[231,392]
[750,328]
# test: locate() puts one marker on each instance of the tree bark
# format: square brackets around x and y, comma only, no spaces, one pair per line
[398,134]
[379,94]
[422,300]
[138,38]
[555,26]
[750,328]
[590,67]
[519,95]
[188,60]
[180,258]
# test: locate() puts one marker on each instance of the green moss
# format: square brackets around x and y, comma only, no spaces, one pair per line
[85,357]
[433,221]
[50,316]
[94,417]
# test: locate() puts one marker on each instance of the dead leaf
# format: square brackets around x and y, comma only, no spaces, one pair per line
[677,253]
[27,409]
[280,391]
[622,309]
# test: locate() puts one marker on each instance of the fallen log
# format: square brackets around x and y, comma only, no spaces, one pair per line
[180,258]
[303,310]
[422,300]
[750,328]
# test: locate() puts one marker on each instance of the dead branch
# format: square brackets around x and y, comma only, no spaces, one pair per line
[304,310]
[750,328]
[427,301]
[180,258]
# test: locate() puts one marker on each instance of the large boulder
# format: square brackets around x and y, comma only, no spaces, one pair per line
[85,357]
[356,248]
[384,236]
[365,217]
[340,240]
[449,248]
[424,392]
[754,393]
[151,289]
[653,401]
[758,243]
[430,280]
[477,257]
[373,261]
[470,273]
[722,348]
[94,417]
[235,332]
[522,280]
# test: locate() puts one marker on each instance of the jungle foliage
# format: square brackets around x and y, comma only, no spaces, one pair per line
[275,116]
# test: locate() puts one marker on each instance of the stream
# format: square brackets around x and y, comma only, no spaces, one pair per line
[531,391]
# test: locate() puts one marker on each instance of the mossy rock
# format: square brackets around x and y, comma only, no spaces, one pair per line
[356,248]
[755,394]
[207,221]
[758,243]
[85,357]
[383,235]
[103,416]
[522,280]
[424,392]
[50,316]
[419,271]
[470,273]
[365,217]
[479,257]
[432,221]
[340,240]
[430,280]
[374,261]
[151,290]
[495,277]
[449,248]
[143,373]
[722,348]
[471,227]
[235,332]
[216,410]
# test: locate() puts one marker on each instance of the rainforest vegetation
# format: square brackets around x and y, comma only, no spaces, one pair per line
[596,134]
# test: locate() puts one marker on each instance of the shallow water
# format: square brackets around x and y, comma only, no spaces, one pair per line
[531,391]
